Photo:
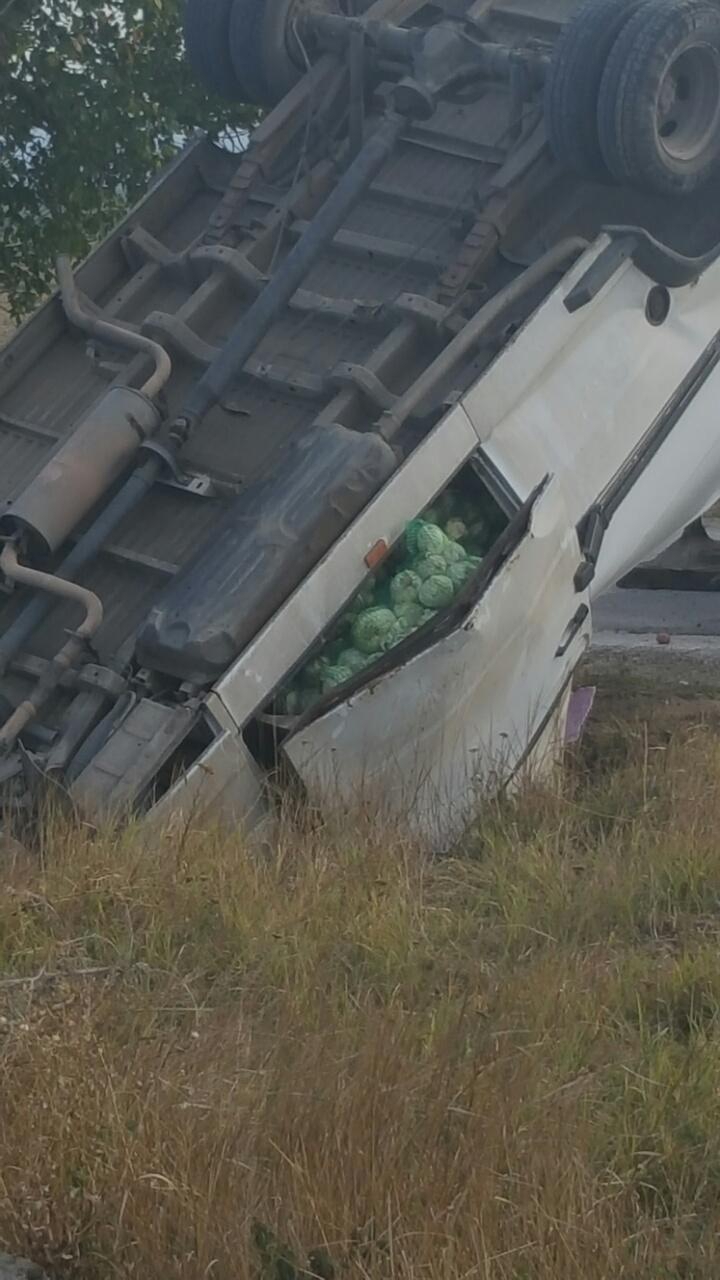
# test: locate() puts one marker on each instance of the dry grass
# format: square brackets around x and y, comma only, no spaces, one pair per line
[341,1059]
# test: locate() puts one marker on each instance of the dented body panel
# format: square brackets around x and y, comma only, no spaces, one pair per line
[430,738]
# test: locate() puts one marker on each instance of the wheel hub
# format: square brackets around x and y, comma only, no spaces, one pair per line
[688,103]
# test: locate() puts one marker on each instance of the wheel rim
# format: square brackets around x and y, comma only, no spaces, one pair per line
[688,104]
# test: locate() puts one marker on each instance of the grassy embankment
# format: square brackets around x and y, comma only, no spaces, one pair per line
[340,1058]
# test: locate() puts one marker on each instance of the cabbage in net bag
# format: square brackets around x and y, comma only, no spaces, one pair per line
[431,564]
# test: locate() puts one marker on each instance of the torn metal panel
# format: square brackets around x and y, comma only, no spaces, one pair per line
[426,741]
[281,644]
[224,787]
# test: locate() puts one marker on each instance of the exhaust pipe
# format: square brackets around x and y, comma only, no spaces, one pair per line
[67,488]
[112,332]
[72,650]
[100,448]
[83,469]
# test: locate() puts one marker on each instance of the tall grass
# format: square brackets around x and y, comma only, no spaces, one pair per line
[340,1058]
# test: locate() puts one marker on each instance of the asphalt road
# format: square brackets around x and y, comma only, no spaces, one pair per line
[647,613]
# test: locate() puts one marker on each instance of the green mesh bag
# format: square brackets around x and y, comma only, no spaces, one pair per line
[437,592]
[375,630]
[459,573]
[429,566]
[463,570]
[335,676]
[299,700]
[412,532]
[404,587]
[409,615]
[403,596]
[423,539]
[430,540]
[353,659]
[404,629]
[314,670]
[454,553]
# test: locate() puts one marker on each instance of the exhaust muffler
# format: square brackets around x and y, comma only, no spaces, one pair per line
[81,471]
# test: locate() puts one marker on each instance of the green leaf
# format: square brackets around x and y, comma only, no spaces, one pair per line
[93,99]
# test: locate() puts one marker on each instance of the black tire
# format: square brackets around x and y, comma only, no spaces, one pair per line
[573,83]
[207,36]
[659,102]
[260,48]
[265,47]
